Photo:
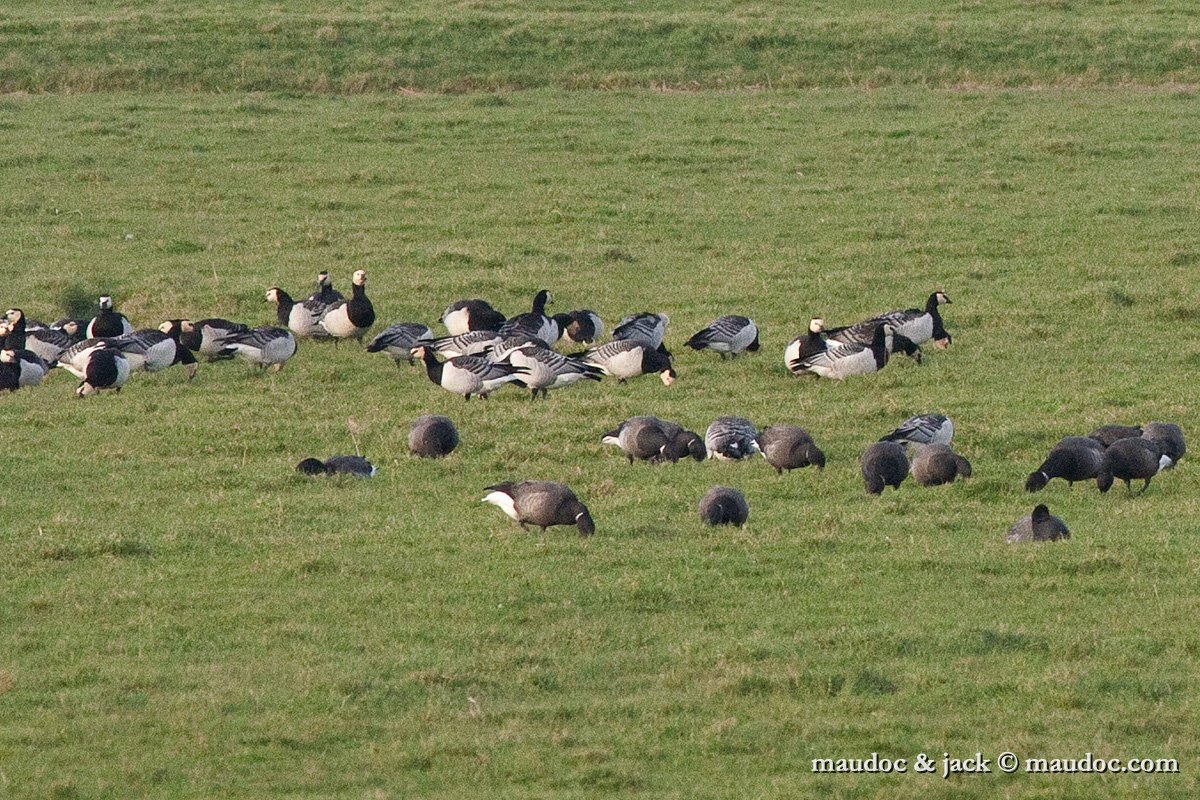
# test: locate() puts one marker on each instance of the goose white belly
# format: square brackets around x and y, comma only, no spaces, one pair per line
[459,380]
[279,350]
[840,368]
[457,322]
[337,322]
[623,365]
[305,321]
[540,374]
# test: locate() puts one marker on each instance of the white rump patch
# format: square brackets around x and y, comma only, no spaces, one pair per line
[506,503]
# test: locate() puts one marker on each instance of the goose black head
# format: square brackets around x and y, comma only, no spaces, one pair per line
[1040,512]
[311,466]
[1036,481]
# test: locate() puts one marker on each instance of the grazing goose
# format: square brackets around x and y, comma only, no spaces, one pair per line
[471,343]
[1040,526]
[398,340]
[49,343]
[30,368]
[641,438]
[471,315]
[347,318]
[788,447]
[1108,435]
[644,327]
[1073,458]
[585,326]
[1169,437]
[152,350]
[884,464]
[840,361]
[546,370]
[266,346]
[207,336]
[541,503]
[682,443]
[432,436]
[534,324]
[917,325]
[1129,459]
[722,505]
[509,344]
[862,333]
[808,344]
[728,335]
[74,359]
[935,464]
[108,322]
[923,429]
[628,358]
[104,368]
[302,319]
[468,375]
[731,439]
[345,465]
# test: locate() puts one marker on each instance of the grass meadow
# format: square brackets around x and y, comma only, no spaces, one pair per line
[184,616]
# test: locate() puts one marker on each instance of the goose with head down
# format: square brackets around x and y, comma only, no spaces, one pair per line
[628,358]
[728,336]
[468,375]
[541,503]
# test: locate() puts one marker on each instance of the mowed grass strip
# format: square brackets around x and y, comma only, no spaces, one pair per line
[468,46]
[185,616]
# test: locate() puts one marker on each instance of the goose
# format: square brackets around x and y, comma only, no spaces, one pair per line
[682,443]
[1040,526]
[641,438]
[731,439]
[471,343]
[352,317]
[153,350]
[1169,437]
[628,358]
[13,330]
[344,465]
[432,436]
[207,336]
[923,429]
[75,358]
[1073,458]
[471,315]
[104,368]
[840,361]
[534,323]
[1129,459]
[645,327]
[32,325]
[64,323]
[917,325]
[1108,435]
[807,344]
[883,464]
[863,332]
[325,295]
[722,505]
[548,370]
[302,319]
[468,375]
[935,464]
[266,346]
[789,447]
[30,368]
[398,340]
[501,350]
[541,503]
[728,336]
[49,343]
[108,322]
[584,327]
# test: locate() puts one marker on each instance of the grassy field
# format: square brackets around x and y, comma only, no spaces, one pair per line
[186,617]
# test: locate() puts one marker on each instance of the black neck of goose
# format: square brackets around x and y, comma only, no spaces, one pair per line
[16,336]
[359,309]
[433,367]
[283,306]
[654,361]
[939,330]
[583,520]
[539,302]
[879,345]
[931,304]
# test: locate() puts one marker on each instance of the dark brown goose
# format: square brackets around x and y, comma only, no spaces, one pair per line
[1074,458]
[935,464]
[1133,458]
[722,505]
[541,503]
[789,447]
[883,464]
[1040,526]
[432,436]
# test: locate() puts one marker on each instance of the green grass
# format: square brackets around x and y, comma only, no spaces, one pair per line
[186,617]
[461,46]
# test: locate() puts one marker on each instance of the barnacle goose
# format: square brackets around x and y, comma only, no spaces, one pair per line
[1040,526]
[346,465]
[840,361]
[534,323]
[207,336]
[935,464]
[548,370]
[432,436]
[153,350]
[266,346]
[541,503]
[29,366]
[807,344]
[628,358]
[863,332]
[789,447]
[923,429]
[471,343]
[75,358]
[646,327]
[731,439]
[728,336]
[1073,458]
[883,464]
[468,375]
[302,319]
[398,340]
[1132,458]
[723,505]
[352,317]
[108,322]
[471,315]
[919,325]
[104,368]
[585,326]
[325,295]
[49,342]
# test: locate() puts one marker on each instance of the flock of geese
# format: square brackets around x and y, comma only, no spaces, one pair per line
[483,350]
